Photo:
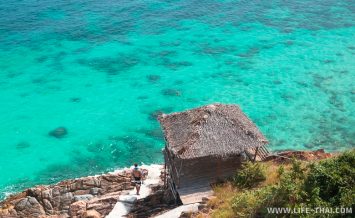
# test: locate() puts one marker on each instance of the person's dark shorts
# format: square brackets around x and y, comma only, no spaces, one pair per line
[137,181]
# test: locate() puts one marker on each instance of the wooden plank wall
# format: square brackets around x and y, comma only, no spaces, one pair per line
[204,171]
[171,166]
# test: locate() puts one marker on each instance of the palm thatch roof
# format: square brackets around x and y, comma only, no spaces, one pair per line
[220,130]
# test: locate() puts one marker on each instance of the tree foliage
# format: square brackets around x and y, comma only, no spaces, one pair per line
[250,175]
[328,183]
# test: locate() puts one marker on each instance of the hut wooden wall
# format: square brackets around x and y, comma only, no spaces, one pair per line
[202,172]
[170,162]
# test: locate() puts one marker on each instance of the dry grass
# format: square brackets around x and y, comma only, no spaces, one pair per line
[201,216]
[272,175]
[221,205]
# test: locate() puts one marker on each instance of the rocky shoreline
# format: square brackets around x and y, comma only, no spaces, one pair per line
[81,197]
[96,196]
[92,196]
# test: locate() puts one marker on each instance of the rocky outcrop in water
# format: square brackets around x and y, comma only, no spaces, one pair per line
[93,196]
[59,132]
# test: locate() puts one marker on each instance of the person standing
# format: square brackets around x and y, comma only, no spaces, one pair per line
[137,177]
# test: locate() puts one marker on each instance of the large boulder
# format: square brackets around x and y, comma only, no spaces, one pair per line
[8,211]
[29,207]
[77,209]
[103,204]
[58,132]
[46,194]
[89,182]
[65,200]
[76,185]
[86,197]
[48,206]
[91,214]
[113,183]
[55,197]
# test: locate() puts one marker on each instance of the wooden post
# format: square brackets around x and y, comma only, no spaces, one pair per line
[165,185]
[256,153]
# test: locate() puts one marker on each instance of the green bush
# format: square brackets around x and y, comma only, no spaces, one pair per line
[328,183]
[251,202]
[288,192]
[250,175]
[334,179]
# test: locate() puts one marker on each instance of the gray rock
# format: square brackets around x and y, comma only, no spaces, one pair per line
[153,78]
[29,207]
[90,182]
[94,191]
[66,197]
[55,201]
[56,191]
[201,206]
[171,92]
[64,189]
[83,197]
[47,194]
[34,192]
[127,199]
[59,132]
[65,200]
[22,204]
[22,145]
[99,193]
[32,200]
[47,206]
[76,185]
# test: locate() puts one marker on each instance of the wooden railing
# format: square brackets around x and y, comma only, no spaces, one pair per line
[261,153]
[172,188]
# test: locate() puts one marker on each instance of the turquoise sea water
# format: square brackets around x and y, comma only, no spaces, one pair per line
[104,69]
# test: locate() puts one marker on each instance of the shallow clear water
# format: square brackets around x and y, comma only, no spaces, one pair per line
[103,69]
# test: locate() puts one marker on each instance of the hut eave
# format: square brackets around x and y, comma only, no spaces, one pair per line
[218,130]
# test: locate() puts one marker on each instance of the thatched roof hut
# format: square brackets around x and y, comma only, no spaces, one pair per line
[213,130]
[207,143]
